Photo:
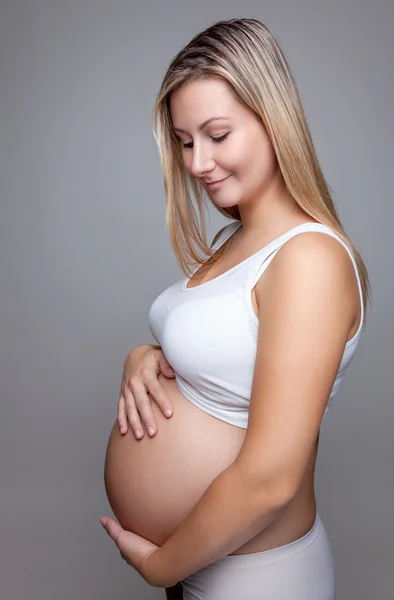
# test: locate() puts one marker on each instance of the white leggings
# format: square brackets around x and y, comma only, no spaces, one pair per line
[301,570]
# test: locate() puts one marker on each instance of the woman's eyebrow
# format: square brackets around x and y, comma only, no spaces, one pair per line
[200,127]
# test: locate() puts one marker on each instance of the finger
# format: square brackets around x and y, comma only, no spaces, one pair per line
[122,416]
[163,366]
[113,528]
[168,371]
[160,396]
[143,405]
[134,419]
[131,409]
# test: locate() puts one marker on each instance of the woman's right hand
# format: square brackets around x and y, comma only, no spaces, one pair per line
[140,377]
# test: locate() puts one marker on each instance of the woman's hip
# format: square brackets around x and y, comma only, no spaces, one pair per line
[301,570]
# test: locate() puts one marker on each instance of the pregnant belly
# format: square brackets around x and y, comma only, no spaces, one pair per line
[153,483]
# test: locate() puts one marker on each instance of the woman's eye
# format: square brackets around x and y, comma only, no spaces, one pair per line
[217,140]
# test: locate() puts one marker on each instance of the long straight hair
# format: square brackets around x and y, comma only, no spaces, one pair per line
[244,53]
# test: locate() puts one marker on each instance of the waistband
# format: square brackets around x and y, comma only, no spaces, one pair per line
[257,559]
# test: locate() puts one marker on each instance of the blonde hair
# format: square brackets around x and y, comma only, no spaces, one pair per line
[245,54]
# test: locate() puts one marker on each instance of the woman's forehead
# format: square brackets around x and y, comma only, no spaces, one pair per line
[201,101]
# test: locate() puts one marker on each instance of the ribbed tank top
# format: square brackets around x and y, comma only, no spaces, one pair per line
[208,332]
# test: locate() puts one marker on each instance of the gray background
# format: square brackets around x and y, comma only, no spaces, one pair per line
[84,251]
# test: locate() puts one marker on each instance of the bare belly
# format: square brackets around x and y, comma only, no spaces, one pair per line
[152,484]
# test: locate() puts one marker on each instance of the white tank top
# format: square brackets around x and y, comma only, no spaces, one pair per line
[208,333]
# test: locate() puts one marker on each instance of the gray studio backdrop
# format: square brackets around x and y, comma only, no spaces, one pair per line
[84,251]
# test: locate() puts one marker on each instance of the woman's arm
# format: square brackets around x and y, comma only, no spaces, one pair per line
[304,322]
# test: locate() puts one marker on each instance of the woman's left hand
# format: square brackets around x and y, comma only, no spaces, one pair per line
[135,550]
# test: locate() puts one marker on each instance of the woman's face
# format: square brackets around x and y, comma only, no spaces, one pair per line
[235,149]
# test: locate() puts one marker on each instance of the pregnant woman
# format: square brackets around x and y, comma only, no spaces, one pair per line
[259,334]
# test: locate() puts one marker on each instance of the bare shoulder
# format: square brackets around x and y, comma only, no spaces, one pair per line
[312,264]
[314,249]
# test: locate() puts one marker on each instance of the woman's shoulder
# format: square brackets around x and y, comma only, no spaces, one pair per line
[320,264]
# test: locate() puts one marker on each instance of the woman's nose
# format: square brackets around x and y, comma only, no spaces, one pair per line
[202,161]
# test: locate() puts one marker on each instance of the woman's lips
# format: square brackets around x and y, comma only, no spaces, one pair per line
[215,184]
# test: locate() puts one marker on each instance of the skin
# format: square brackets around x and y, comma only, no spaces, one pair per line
[254,183]
[246,160]
[246,156]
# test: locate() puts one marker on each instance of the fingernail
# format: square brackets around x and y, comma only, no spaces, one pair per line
[103,521]
[151,430]
[138,433]
[168,412]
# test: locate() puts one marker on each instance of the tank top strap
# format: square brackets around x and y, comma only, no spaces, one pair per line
[226,233]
